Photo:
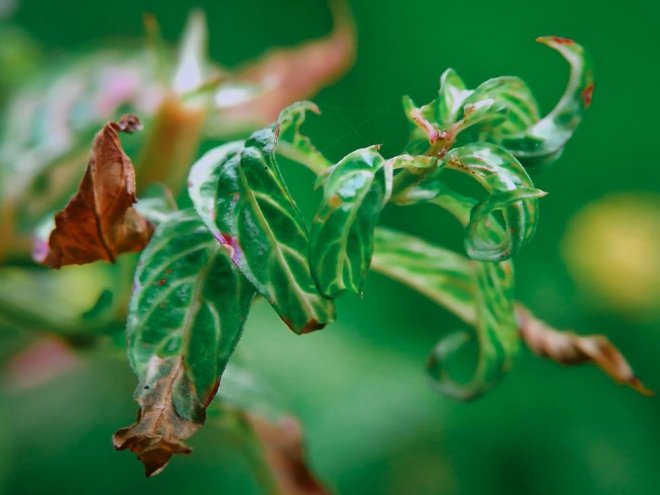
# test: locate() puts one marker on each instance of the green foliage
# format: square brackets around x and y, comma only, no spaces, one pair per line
[189,303]
[246,236]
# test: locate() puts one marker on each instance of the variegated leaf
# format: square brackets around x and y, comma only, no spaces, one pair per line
[545,140]
[341,245]
[185,318]
[498,107]
[479,293]
[510,190]
[258,222]
[293,144]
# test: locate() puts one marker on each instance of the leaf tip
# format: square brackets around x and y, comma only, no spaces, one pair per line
[128,123]
[636,384]
[554,40]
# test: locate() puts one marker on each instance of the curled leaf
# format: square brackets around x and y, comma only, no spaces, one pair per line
[544,141]
[570,348]
[354,194]
[100,222]
[499,107]
[482,241]
[479,293]
[510,190]
[291,74]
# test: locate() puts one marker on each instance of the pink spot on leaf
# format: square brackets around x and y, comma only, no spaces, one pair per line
[231,245]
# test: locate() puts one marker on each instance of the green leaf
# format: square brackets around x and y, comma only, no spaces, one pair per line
[452,95]
[544,141]
[479,293]
[185,319]
[498,107]
[440,113]
[443,276]
[293,144]
[483,242]
[341,245]
[510,190]
[254,216]
[156,203]
[188,302]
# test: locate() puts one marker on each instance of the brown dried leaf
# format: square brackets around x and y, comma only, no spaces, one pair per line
[159,431]
[292,74]
[284,455]
[99,222]
[570,348]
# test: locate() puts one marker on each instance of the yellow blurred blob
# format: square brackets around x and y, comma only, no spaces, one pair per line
[612,249]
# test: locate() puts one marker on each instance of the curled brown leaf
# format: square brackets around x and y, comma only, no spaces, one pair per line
[291,74]
[284,456]
[99,222]
[570,348]
[160,430]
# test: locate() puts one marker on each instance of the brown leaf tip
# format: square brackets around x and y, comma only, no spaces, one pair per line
[153,451]
[129,123]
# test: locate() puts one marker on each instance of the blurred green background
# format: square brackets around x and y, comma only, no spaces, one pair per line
[373,425]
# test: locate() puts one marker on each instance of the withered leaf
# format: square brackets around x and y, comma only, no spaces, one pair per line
[99,222]
[570,348]
[292,74]
[159,431]
[283,452]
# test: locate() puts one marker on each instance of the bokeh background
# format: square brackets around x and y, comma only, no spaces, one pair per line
[373,425]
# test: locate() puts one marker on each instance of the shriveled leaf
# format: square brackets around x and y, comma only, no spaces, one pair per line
[341,244]
[159,430]
[286,75]
[185,318]
[47,127]
[241,196]
[545,140]
[570,348]
[99,222]
[479,293]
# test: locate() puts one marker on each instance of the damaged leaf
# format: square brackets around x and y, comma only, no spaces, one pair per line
[159,431]
[570,348]
[185,319]
[100,222]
